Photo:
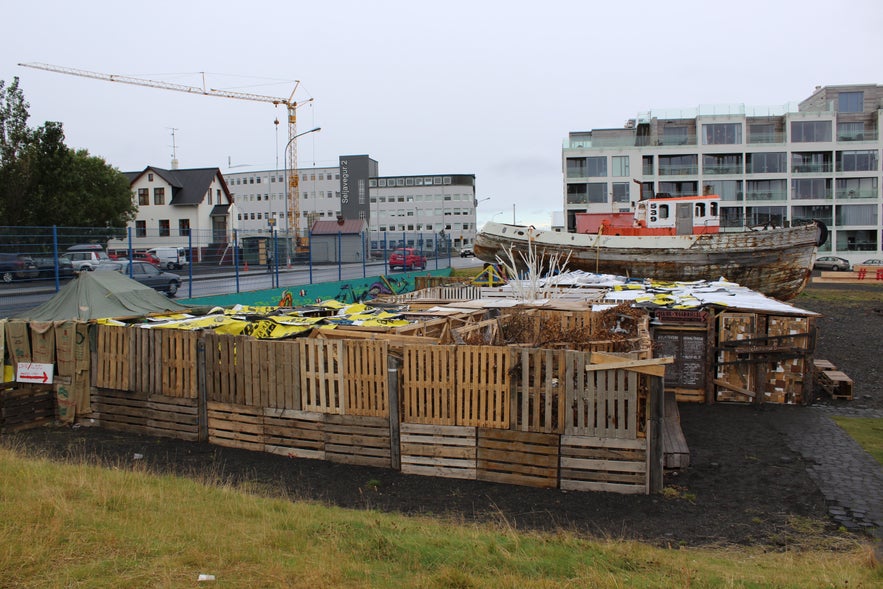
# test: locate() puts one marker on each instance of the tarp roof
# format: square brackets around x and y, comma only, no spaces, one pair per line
[101,295]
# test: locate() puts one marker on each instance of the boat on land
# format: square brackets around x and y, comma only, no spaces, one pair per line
[668,238]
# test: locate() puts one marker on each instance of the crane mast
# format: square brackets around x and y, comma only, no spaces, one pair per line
[293,208]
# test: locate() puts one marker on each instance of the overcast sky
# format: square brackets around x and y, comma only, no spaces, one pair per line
[487,88]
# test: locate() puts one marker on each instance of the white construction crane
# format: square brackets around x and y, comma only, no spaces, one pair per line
[293,208]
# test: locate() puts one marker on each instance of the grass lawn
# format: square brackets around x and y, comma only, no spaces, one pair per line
[867,431]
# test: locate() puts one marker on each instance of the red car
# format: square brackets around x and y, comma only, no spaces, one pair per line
[407,258]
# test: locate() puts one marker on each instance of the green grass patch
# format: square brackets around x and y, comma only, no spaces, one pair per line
[466,272]
[867,431]
[844,296]
[75,525]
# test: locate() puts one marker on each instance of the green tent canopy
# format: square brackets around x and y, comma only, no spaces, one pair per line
[101,295]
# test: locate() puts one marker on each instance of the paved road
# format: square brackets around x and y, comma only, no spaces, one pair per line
[848,477]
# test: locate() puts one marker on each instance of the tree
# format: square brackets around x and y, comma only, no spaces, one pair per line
[44,182]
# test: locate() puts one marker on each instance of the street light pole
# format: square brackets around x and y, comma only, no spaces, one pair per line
[288,173]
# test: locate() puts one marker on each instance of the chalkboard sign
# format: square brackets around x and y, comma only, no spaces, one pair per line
[688,350]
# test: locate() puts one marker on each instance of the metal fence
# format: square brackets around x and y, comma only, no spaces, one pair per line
[35,262]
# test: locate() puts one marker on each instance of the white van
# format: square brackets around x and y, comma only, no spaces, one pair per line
[88,257]
[172,258]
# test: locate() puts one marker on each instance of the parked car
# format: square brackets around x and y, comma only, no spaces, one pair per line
[17,267]
[87,257]
[831,263]
[872,262]
[152,276]
[466,252]
[46,266]
[407,258]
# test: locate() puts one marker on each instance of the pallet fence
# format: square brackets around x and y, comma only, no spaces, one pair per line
[515,415]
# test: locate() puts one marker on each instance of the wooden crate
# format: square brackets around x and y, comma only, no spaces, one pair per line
[837,384]
[438,450]
[25,406]
[358,440]
[603,402]
[604,464]
[143,413]
[517,458]
[236,426]
[732,378]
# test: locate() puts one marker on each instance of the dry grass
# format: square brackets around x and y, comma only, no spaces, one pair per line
[74,525]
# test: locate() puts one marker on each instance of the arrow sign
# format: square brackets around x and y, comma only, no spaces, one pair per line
[34,373]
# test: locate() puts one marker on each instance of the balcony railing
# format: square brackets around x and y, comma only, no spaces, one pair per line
[767,195]
[719,169]
[850,194]
[678,170]
[766,137]
[867,135]
[811,168]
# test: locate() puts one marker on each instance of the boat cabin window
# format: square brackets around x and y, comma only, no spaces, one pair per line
[714,212]
[663,211]
[700,209]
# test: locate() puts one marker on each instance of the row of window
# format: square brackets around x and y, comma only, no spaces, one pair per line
[304,177]
[423,227]
[410,181]
[276,215]
[731,133]
[422,212]
[421,198]
[831,215]
[732,190]
[862,160]
[164,228]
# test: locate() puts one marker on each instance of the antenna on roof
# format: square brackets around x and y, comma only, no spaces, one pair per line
[174,150]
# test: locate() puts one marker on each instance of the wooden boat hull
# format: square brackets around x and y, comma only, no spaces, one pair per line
[776,262]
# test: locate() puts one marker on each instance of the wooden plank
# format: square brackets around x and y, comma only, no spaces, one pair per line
[603,464]
[522,458]
[428,383]
[652,367]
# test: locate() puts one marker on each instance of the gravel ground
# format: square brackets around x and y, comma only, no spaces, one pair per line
[744,485]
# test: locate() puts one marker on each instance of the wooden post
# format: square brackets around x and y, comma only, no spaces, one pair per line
[656,450]
[201,392]
[393,368]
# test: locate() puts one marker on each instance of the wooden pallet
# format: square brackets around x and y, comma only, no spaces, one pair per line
[518,458]
[604,464]
[358,440]
[236,426]
[296,434]
[143,413]
[836,383]
[438,450]
[25,407]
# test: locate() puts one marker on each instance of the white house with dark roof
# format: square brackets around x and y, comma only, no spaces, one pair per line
[180,208]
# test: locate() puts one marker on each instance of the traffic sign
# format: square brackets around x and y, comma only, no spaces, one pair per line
[34,373]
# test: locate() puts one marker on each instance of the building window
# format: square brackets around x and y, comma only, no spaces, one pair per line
[577,194]
[576,167]
[598,192]
[810,131]
[218,196]
[159,196]
[722,134]
[727,190]
[850,188]
[164,228]
[811,162]
[764,133]
[675,135]
[758,216]
[143,196]
[681,188]
[183,227]
[851,102]
[766,190]
[597,167]
[140,228]
[767,163]
[852,132]
[810,188]
[620,165]
[857,161]
[621,192]
[678,165]
[856,215]
[721,163]
[647,165]
[150,177]
[823,213]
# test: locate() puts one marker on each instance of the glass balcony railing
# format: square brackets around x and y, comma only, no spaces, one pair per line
[678,170]
[767,195]
[867,135]
[766,137]
[719,169]
[811,168]
[857,194]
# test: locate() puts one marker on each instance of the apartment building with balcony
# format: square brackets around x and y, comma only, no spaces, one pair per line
[816,159]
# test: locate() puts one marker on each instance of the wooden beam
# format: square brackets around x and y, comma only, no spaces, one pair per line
[605,361]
